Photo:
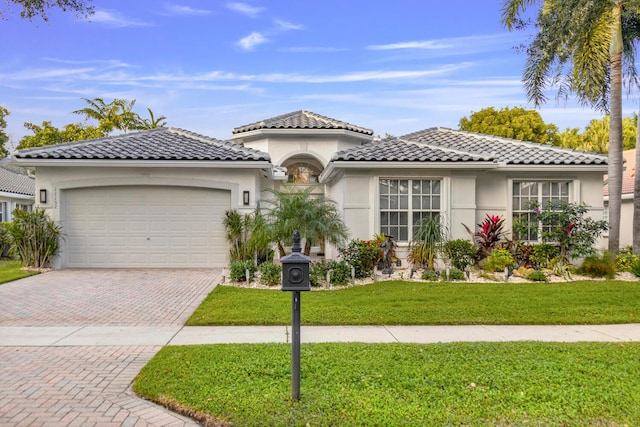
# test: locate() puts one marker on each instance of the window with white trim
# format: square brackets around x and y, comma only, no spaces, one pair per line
[3,212]
[543,192]
[405,202]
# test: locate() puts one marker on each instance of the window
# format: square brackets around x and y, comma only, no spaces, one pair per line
[3,212]
[24,207]
[542,192]
[303,173]
[407,201]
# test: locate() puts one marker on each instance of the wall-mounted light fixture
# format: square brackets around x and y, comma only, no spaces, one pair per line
[245,198]
[43,195]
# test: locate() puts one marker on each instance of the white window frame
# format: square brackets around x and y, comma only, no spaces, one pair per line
[542,199]
[410,211]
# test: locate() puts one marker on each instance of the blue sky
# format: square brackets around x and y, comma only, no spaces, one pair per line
[395,66]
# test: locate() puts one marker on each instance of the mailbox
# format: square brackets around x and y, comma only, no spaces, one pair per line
[295,268]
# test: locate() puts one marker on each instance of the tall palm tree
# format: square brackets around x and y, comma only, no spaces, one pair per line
[582,47]
[152,122]
[315,217]
[117,114]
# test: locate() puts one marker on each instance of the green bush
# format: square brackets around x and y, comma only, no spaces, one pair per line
[318,273]
[339,273]
[595,266]
[34,237]
[536,276]
[430,275]
[270,273]
[363,255]
[543,253]
[237,270]
[625,259]
[498,260]
[635,267]
[457,274]
[461,252]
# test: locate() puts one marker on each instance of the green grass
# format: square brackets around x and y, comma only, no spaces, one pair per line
[475,384]
[10,270]
[419,303]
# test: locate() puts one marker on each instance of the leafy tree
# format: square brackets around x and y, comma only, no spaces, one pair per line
[516,123]
[583,48]
[315,217]
[3,135]
[570,138]
[47,134]
[38,8]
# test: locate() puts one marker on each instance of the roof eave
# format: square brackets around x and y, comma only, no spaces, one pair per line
[228,164]
[295,131]
[552,167]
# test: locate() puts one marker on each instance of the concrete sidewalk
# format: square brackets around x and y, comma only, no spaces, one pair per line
[63,336]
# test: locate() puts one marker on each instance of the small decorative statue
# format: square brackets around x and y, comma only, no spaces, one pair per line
[387,261]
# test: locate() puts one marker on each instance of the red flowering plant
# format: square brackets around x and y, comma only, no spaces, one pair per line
[567,226]
[490,234]
[363,256]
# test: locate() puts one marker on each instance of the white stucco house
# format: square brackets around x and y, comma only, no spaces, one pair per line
[16,191]
[156,198]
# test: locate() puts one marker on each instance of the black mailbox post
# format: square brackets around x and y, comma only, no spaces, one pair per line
[295,278]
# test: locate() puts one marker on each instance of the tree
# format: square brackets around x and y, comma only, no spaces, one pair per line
[516,123]
[3,135]
[152,122]
[47,134]
[636,195]
[315,217]
[115,115]
[582,48]
[38,8]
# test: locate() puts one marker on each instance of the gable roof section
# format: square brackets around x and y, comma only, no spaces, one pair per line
[504,150]
[12,181]
[399,150]
[155,144]
[301,120]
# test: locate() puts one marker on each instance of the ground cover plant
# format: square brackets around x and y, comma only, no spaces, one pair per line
[430,303]
[12,270]
[516,383]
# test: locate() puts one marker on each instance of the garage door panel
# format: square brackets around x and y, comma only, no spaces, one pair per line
[144,226]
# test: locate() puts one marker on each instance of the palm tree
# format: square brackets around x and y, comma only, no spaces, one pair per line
[152,122]
[117,114]
[582,48]
[315,217]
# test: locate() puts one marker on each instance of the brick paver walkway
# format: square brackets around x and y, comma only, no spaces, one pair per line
[90,385]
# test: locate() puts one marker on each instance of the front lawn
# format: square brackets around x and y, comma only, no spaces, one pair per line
[11,270]
[425,303]
[401,384]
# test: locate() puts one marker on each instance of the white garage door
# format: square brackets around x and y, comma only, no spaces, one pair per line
[144,227]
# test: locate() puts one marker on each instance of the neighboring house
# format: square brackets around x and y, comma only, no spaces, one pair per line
[16,191]
[156,198]
[626,207]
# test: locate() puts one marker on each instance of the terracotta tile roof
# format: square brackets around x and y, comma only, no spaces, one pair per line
[628,175]
[395,149]
[14,181]
[301,120]
[505,150]
[154,144]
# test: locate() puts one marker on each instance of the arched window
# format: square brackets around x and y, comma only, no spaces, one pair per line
[304,171]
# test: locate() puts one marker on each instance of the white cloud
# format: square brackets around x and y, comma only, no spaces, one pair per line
[314,49]
[115,19]
[177,9]
[285,26]
[245,9]
[425,44]
[252,40]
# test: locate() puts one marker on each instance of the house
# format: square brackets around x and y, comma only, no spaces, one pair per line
[156,198]
[16,191]
[626,207]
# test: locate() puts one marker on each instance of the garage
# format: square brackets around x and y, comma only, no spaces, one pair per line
[144,227]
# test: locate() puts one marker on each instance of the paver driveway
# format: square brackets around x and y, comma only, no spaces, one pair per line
[90,385]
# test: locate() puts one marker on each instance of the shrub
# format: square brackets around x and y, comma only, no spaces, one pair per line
[536,276]
[499,260]
[363,256]
[270,273]
[339,273]
[427,242]
[635,267]
[34,237]
[430,275]
[595,266]
[457,274]
[490,234]
[625,259]
[543,253]
[318,273]
[461,252]
[237,270]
